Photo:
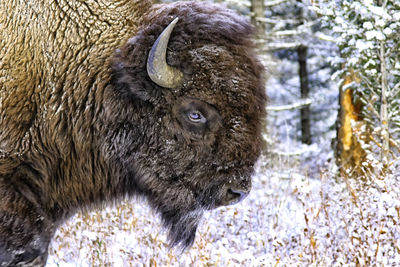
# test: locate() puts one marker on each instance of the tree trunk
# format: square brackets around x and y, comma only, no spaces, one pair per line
[258,9]
[384,109]
[304,90]
[351,129]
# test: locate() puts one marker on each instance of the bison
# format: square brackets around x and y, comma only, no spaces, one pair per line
[105,99]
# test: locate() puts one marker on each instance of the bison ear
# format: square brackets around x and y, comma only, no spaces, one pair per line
[131,83]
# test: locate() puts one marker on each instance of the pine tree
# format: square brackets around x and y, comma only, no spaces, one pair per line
[257,9]
[367,33]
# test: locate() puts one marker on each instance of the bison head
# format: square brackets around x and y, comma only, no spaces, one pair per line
[187,115]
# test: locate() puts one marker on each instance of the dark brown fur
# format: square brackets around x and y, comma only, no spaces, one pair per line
[81,123]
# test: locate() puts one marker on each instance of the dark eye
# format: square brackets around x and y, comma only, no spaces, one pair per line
[196,116]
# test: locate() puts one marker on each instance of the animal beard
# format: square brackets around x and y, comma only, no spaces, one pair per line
[182,227]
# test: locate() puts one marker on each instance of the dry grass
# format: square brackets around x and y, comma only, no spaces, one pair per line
[288,220]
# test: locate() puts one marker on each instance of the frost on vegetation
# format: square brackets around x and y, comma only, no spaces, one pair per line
[289,219]
[366,33]
[351,21]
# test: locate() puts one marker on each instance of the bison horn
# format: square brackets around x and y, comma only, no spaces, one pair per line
[157,68]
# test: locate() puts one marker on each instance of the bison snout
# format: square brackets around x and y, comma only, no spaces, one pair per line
[234,195]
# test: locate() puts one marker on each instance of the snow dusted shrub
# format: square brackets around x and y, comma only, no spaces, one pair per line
[373,226]
[345,222]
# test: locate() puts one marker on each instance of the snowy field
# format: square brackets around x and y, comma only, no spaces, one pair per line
[289,219]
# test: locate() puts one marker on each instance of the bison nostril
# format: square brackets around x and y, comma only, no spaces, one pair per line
[235,195]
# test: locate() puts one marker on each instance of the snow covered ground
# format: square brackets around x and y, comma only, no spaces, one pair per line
[288,220]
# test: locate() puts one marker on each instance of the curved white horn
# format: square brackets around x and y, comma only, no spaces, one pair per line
[157,68]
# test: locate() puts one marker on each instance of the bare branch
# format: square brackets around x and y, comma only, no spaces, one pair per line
[276,46]
[275,20]
[274,3]
[395,90]
[300,104]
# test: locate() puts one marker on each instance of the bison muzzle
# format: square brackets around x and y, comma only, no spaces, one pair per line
[102,100]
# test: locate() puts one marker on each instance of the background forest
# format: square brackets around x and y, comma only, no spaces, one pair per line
[326,191]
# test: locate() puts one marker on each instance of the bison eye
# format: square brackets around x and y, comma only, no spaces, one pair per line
[196,116]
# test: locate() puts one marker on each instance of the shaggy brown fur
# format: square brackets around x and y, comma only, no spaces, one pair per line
[81,123]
